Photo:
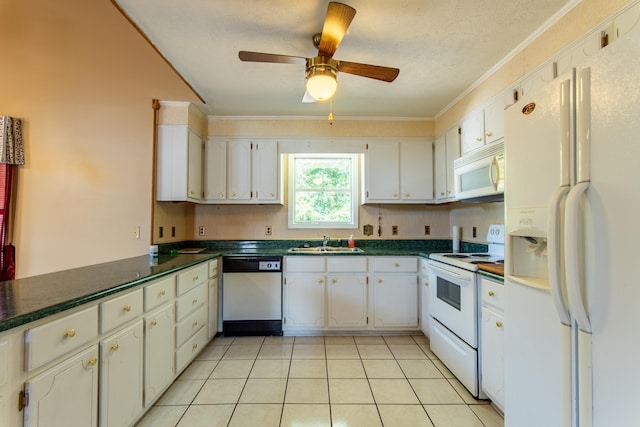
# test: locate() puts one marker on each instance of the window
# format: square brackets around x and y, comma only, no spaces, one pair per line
[323,191]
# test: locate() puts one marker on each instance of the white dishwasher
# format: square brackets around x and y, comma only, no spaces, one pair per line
[251,295]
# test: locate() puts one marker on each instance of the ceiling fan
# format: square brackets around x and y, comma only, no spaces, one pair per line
[322,70]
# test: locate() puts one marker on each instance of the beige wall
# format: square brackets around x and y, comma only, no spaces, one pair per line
[83,80]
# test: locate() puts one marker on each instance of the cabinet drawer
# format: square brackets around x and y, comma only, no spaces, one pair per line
[50,341]
[186,352]
[187,327]
[213,268]
[120,310]
[192,278]
[304,264]
[159,293]
[396,264]
[191,301]
[492,293]
[349,264]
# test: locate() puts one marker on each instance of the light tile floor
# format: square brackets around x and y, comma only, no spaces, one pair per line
[319,381]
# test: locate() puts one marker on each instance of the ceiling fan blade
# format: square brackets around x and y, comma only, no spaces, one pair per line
[336,23]
[308,99]
[386,74]
[270,57]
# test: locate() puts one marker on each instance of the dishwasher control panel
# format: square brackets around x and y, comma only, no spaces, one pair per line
[269,266]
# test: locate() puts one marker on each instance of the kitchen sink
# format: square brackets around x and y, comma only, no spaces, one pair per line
[326,249]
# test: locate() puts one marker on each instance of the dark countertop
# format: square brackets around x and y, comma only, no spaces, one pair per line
[32,298]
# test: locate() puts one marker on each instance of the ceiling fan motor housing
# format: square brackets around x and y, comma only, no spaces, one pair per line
[321,69]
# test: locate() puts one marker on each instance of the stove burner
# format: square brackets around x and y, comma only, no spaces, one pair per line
[480,255]
[455,256]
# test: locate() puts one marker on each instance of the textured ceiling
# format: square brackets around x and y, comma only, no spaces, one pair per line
[440,46]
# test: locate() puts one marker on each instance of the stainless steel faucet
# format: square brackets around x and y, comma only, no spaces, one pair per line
[325,240]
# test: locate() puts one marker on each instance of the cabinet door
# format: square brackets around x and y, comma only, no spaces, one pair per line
[65,395]
[213,307]
[347,301]
[472,132]
[494,117]
[395,301]
[266,171]
[492,364]
[453,152]
[626,21]
[304,297]
[382,171]
[440,167]
[579,52]
[121,384]
[416,171]
[239,170]
[158,353]
[425,319]
[194,170]
[215,170]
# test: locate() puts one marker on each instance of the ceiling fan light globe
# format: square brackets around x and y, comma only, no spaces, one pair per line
[322,86]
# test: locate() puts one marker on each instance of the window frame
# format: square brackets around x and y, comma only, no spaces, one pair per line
[354,191]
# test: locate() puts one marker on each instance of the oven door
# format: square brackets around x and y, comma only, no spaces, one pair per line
[452,301]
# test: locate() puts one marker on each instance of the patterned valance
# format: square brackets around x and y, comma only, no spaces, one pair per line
[11,148]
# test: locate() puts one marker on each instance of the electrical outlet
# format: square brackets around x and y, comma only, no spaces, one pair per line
[161,231]
[173,231]
[202,230]
[475,232]
[427,230]
[268,230]
[135,232]
[394,230]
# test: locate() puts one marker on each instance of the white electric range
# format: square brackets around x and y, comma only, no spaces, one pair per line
[454,307]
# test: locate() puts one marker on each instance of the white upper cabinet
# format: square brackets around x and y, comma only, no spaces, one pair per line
[626,21]
[398,172]
[242,171]
[179,164]
[486,125]
[447,149]
[472,136]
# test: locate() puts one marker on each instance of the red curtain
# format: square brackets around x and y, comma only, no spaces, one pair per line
[7,252]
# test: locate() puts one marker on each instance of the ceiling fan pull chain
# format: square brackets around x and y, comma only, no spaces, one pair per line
[330,112]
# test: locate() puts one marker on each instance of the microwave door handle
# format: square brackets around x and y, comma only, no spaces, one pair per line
[494,170]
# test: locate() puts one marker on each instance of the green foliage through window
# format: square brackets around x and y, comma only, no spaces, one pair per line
[323,191]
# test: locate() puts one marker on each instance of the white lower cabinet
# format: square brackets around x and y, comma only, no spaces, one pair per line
[492,340]
[121,376]
[66,394]
[425,319]
[395,292]
[304,301]
[158,353]
[213,299]
[347,301]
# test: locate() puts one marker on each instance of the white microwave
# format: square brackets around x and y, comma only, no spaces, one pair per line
[479,175]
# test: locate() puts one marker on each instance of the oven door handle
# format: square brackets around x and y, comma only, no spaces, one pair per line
[450,273]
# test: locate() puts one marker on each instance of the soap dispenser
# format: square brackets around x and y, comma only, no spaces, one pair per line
[351,243]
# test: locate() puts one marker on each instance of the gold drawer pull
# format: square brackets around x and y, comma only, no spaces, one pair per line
[71,333]
[396,265]
[320,281]
[489,133]
[491,293]
[407,195]
[379,280]
[93,361]
[478,139]
[195,323]
[195,278]
[115,347]
[127,308]
[194,346]
[163,293]
[334,281]
[153,323]
[195,301]
[499,324]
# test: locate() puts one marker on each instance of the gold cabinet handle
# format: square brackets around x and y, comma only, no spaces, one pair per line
[491,293]
[127,308]
[379,280]
[195,323]
[499,324]
[115,347]
[194,346]
[397,265]
[163,293]
[395,194]
[233,194]
[195,301]
[479,139]
[272,195]
[320,281]
[489,133]
[407,194]
[442,193]
[71,333]
[334,281]
[92,362]
[221,195]
[153,323]
[426,283]
[195,278]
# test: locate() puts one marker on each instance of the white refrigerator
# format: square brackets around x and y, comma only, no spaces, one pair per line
[572,274]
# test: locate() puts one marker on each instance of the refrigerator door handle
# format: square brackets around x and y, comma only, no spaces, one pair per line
[572,256]
[553,245]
